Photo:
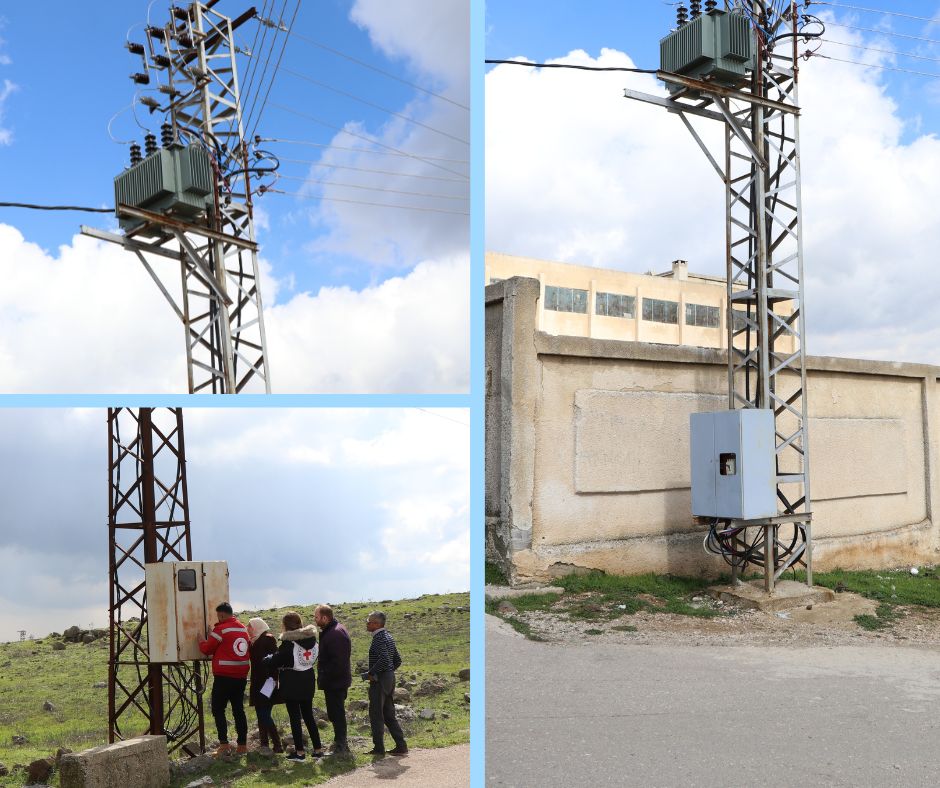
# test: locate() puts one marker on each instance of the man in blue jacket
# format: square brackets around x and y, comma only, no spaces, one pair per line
[384,660]
[334,672]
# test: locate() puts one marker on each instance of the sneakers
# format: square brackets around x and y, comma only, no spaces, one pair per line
[297,756]
[318,753]
[241,749]
[400,750]
[375,752]
[223,749]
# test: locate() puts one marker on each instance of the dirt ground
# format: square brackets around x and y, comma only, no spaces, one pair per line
[825,624]
[446,767]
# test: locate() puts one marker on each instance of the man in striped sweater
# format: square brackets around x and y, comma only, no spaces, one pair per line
[384,660]
[228,645]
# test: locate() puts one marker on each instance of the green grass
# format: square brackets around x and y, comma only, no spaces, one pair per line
[624,628]
[434,642]
[885,616]
[493,575]
[898,587]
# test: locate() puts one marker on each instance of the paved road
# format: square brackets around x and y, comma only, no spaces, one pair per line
[446,767]
[624,715]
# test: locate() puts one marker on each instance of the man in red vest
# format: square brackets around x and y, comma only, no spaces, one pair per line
[228,645]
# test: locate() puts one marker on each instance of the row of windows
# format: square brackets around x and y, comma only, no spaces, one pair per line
[572,299]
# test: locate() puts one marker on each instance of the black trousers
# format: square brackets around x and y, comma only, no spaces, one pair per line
[336,711]
[382,711]
[302,709]
[227,690]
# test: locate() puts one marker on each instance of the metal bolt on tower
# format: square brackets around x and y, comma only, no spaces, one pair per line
[193,61]
[148,522]
[760,168]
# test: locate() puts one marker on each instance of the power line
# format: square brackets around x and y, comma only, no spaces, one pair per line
[277,66]
[871,10]
[572,65]
[380,71]
[373,105]
[442,416]
[875,65]
[361,202]
[375,172]
[371,140]
[884,32]
[883,51]
[34,207]
[372,188]
[361,150]
[267,61]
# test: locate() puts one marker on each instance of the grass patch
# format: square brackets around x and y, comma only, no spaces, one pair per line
[493,575]
[624,628]
[896,587]
[434,641]
[885,616]
[593,631]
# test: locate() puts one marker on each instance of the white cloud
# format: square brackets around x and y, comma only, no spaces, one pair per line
[8,89]
[577,173]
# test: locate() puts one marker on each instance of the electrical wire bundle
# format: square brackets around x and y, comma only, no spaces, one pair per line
[742,546]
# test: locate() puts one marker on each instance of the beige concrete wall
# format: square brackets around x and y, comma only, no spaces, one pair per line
[601,477]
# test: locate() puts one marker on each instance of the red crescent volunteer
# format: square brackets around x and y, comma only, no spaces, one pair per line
[228,645]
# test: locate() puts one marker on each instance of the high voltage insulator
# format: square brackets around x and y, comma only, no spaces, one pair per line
[682,16]
[136,158]
[696,8]
[710,5]
[167,137]
[150,144]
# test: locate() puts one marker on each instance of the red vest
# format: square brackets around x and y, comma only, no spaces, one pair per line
[228,645]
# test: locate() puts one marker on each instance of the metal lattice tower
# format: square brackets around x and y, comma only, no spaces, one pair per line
[148,522]
[221,309]
[766,329]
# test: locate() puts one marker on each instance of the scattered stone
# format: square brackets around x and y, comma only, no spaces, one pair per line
[445,715]
[408,616]
[322,724]
[406,713]
[100,685]
[414,676]
[47,706]
[59,753]
[426,714]
[358,705]
[72,634]
[401,695]
[464,675]
[466,697]
[19,740]
[88,637]
[58,645]
[38,771]
[3,770]
[198,764]
[506,607]
[431,687]
[207,780]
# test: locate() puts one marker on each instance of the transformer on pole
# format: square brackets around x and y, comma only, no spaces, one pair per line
[200,216]
[148,522]
[749,86]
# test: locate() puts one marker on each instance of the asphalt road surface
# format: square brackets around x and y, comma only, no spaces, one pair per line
[599,714]
[445,767]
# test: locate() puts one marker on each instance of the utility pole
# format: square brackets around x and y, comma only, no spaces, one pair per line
[191,62]
[763,221]
[148,522]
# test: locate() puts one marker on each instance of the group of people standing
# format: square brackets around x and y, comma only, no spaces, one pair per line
[288,672]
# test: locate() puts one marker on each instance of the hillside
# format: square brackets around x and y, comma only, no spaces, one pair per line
[433,635]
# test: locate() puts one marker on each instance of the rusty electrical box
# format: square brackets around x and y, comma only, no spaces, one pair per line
[181,601]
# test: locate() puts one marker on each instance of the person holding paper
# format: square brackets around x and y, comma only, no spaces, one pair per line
[297,657]
[263,693]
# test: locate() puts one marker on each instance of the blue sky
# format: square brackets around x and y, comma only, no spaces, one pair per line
[59,90]
[306,505]
[577,173]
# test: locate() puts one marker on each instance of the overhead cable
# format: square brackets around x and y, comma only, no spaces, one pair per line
[277,66]
[883,51]
[354,97]
[362,202]
[885,33]
[875,65]
[372,188]
[375,172]
[34,207]
[379,70]
[872,10]
[327,146]
[572,65]
[371,140]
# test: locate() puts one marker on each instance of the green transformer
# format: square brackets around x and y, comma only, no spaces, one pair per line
[177,181]
[719,45]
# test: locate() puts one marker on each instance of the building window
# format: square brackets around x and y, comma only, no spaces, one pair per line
[701,315]
[566,299]
[615,305]
[660,311]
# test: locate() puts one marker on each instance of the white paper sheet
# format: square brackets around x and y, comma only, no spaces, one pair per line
[267,689]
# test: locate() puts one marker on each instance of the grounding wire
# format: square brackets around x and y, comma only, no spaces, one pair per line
[314,163]
[372,188]
[871,10]
[277,66]
[572,65]
[354,97]
[371,140]
[363,202]
[324,145]
[378,70]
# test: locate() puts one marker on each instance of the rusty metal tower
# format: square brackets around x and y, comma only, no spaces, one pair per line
[191,63]
[760,170]
[148,522]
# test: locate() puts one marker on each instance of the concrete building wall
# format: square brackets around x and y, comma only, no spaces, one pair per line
[587,451]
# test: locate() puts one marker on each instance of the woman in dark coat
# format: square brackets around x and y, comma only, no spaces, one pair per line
[296,659]
[263,643]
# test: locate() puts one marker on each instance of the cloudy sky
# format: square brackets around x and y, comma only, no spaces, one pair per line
[306,505]
[365,256]
[575,172]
